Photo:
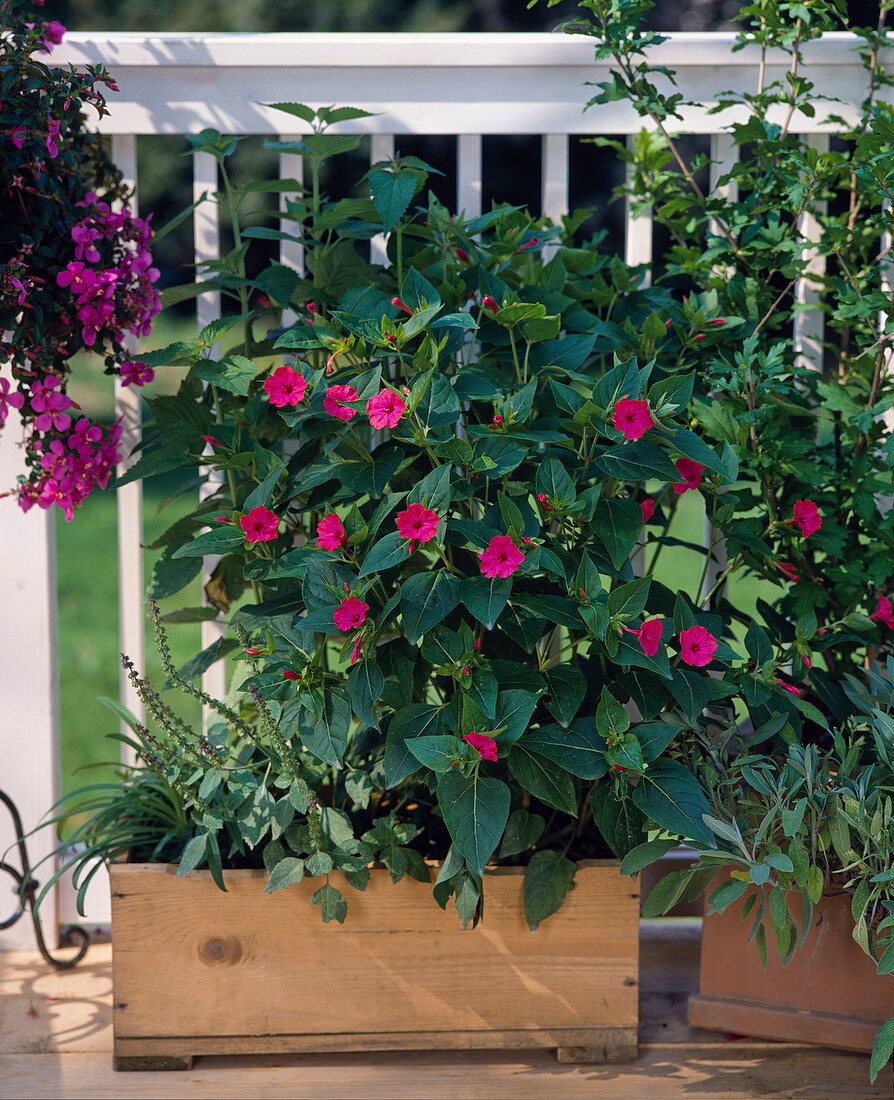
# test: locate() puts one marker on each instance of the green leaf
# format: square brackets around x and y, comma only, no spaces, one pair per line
[194,668]
[622,825]
[392,192]
[882,1049]
[234,373]
[628,600]
[578,748]
[548,878]
[567,688]
[438,752]
[365,684]
[618,523]
[412,721]
[170,576]
[433,490]
[645,854]
[725,895]
[262,494]
[328,738]
[553,479]
[425,599]
[690,691]
[193,854]
[514,710]
[285,873]
[475,811]
[666,893]
[542,778]
[485,597]
[523,830]
[388,551]
[219,540]
[612,720]
[669,794]
[331,902]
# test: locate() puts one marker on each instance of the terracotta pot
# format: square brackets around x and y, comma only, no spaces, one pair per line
[198,971]
[830,992]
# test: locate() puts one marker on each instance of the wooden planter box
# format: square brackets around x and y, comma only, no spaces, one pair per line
[830,992]
[198,971]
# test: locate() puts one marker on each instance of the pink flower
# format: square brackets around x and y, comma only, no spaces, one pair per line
[649,635]
[401,305]
[789,570]
[632,418]
[330,533]
[807,517]
[691,472]
[501,558]
[52,136]
[697,646]
[385,409]
[334,402]
[648,507]
[883,613]
[790,688]
[290,675]
[286,386]
[135,374]
[417,523]
[486,746]
[260,525]
[251,650]
[18,135]
[490,303]
[8,400]
[350,613]
[355,652]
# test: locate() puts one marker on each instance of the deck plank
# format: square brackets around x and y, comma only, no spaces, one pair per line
[56,1040]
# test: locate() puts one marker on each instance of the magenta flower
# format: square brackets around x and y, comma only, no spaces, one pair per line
[486,746]
[883,613]
[135,374]
[260,525]
[18,135]
[649,635]
[350,614]
[385,409]
[648,507]
[807,517]
[788,569]
[501,558]
[417,523]
[691,472]
[334,401]
[790,688]
[8,400]
[286,386]
[697,646]
[52,136]
[490,303]
[355,651]
[330,533]
[632,418]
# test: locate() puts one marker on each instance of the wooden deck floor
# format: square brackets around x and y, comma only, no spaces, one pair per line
[56,1041]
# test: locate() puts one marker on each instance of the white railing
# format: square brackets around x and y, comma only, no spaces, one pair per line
[462,85]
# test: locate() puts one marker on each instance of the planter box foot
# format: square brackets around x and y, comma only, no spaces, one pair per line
[128,1063]
[613,1052]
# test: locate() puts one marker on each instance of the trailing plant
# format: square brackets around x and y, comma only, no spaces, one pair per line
[75,267]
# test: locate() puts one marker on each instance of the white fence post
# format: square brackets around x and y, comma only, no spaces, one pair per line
[29,685]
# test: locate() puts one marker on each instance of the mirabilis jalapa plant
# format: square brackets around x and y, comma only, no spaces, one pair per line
[430,522]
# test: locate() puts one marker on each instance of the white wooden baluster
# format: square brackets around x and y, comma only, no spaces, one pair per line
[381,147]
[468,175]
[29,681]
[637,250]
[291,253]
[206,235]
[809,320]
[554,186]
[638,231]
[131,608]
[724,155]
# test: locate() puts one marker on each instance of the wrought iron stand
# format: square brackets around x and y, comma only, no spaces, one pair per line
[26,891]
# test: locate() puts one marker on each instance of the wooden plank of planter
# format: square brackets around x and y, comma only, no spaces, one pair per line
[829,993]
[198,971]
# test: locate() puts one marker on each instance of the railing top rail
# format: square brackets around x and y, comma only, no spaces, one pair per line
[418,50]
